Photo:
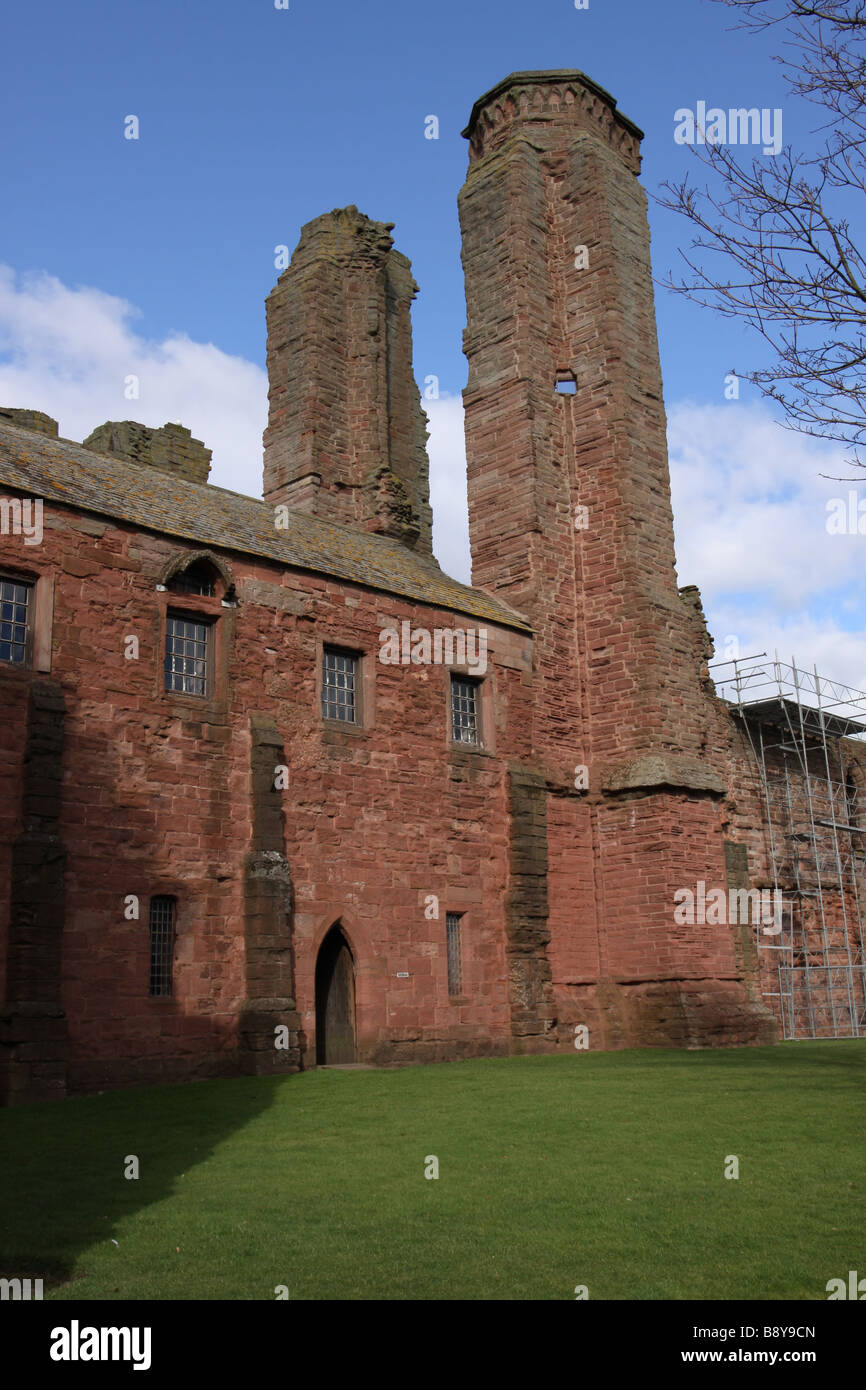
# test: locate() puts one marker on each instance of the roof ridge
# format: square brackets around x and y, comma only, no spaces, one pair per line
[73,475]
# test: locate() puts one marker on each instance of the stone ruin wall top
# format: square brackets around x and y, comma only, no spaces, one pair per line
[545,102]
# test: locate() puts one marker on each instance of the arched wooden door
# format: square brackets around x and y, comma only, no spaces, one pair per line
[335,1001]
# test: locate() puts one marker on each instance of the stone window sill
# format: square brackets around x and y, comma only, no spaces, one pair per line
[342,726]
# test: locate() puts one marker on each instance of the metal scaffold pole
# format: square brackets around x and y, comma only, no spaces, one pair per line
[796,726]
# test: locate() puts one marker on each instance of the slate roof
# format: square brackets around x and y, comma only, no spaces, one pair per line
[62,471]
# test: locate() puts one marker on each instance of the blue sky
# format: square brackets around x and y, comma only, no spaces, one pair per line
[157,254]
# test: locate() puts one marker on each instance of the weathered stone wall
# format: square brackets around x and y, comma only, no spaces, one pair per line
[29,420]
[169,794]
[785,831]
[33,1053]
[533,1011]
[570,520]
[609,778]
[269,1005]
[171,449]
[346,435]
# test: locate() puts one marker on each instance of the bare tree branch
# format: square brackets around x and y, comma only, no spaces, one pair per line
[787,262]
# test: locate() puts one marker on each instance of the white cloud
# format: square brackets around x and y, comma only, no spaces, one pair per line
[750,515]
[447,449]
[835,654]
[749,504]
[68,352]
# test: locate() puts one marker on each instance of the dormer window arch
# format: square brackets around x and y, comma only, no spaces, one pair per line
[199,572]
[199,578]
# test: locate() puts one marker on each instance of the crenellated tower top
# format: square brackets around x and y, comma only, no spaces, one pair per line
[549,104]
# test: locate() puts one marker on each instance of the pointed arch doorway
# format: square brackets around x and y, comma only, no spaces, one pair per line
[335,1001]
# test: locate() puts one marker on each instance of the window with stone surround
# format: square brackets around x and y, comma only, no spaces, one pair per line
[466,710]
[16,620]
[162,925]
[188,654]
[452,946]
[340,686]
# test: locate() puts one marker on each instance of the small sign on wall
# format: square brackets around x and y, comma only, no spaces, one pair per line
[402,974]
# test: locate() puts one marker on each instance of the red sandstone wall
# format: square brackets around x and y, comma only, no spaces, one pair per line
[157,800]
[618,686]
[809,937]
[346,433]
[568,894]
[12,741]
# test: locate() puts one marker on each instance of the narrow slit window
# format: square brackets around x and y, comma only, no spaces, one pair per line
[852,803]
[162,924]
[339,685]
[464,711]
[455,965]
[16,621]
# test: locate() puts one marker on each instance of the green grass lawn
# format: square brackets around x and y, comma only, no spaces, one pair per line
[604,1170]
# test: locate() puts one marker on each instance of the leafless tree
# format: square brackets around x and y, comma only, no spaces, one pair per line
[786,228]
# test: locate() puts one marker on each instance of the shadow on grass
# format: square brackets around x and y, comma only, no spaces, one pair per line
[611,1164]
[63,1187]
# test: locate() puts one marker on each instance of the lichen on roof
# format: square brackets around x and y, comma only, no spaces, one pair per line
[66,472]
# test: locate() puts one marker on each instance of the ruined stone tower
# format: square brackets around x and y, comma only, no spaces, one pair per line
[346,435]
[278,803]
[570,520]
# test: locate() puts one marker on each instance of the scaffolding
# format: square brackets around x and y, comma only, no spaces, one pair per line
[797,724]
